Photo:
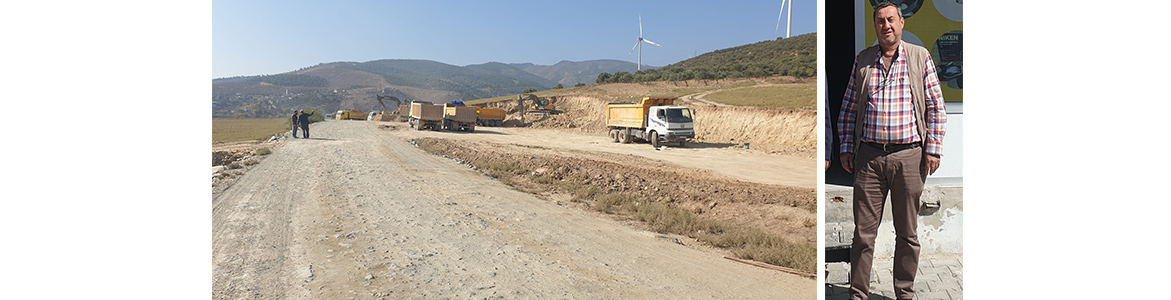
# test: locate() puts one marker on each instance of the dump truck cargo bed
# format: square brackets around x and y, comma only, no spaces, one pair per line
[489,116]
[426,112]
[459,117]
[633,115]
[426,115]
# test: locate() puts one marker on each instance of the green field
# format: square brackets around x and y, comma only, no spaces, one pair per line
[238,130]
[792,96]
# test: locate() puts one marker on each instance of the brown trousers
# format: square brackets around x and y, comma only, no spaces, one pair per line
[877,174]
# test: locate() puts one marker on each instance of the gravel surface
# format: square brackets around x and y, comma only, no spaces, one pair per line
[357,212]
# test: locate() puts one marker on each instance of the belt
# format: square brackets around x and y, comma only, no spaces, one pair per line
[892,148]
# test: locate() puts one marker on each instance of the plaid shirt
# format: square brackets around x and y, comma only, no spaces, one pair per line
[890,117]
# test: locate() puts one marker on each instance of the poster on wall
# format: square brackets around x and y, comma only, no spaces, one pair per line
[937,25]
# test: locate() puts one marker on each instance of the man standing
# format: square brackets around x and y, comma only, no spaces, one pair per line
[891,130]
[304,121]
[294,121]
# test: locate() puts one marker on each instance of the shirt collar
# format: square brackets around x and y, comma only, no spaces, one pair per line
[902,54]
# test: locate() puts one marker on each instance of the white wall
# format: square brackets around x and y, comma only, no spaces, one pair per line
[951,166]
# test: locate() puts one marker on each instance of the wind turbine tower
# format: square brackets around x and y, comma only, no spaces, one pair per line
[638,44]
[789,25]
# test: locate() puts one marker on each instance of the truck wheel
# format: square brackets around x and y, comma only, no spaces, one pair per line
[624,136]
[654,139]
[471,129]
[613,135]
[682,143]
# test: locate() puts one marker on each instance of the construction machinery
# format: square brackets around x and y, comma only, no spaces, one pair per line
[457,116]
[403,112]
[653,119]
[489,117]
[426,115]
[350,115]
[387,114]
[536,105]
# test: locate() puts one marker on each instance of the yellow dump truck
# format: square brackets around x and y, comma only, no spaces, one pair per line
[426,115]
[350,115]
[382,116]
[403,112]
[489,117]
[653,119]
[459,117]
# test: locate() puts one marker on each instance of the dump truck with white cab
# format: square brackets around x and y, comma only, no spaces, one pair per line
[653,119]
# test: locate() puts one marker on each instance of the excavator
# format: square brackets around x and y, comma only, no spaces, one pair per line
[386,111]
[539,105]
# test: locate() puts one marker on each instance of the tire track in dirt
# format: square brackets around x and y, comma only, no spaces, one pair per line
[405,224]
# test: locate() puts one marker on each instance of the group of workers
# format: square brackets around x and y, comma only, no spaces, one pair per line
[300,118]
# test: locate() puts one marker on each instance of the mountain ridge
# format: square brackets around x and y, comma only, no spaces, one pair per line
[354,85]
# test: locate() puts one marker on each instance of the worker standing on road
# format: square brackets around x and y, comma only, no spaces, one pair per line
[304,121]
[294,122]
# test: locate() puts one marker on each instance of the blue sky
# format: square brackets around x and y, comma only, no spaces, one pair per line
[270,37]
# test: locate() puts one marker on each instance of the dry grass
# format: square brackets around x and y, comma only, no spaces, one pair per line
[669,215]
[237,130]
[631,92]
[772,130]
[743,242]
[791,96]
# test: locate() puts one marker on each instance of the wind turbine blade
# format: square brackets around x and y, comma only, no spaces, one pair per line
[782,13]
[639,25]
[635,47]
[652,43]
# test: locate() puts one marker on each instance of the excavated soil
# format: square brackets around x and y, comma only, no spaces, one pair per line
[782,210]
[772,130]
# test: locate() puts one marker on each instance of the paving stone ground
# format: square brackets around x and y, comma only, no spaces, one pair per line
[940,274]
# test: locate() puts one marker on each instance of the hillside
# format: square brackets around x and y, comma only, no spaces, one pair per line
[468,82]
[795,56]
[569,73]
[512,71]
[353,85]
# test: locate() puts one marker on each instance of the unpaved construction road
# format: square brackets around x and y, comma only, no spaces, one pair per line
[357,211]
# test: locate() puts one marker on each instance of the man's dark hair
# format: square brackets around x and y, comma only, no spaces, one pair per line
[884,4]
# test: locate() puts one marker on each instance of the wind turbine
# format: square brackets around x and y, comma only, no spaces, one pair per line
[638,44]
[788,26]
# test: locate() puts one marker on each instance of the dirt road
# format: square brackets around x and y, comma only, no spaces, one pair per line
[735,163]
[357,212]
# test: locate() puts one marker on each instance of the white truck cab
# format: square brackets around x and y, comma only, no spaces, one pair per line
[669,124]
[653,119]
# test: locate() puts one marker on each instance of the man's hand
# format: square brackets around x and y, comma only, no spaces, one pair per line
[827,164]
[847,162]
[931,165]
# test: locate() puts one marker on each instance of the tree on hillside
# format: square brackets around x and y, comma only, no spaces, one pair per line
[579,84]
[622,77]
[603,78]
[558,87]
[530,90]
